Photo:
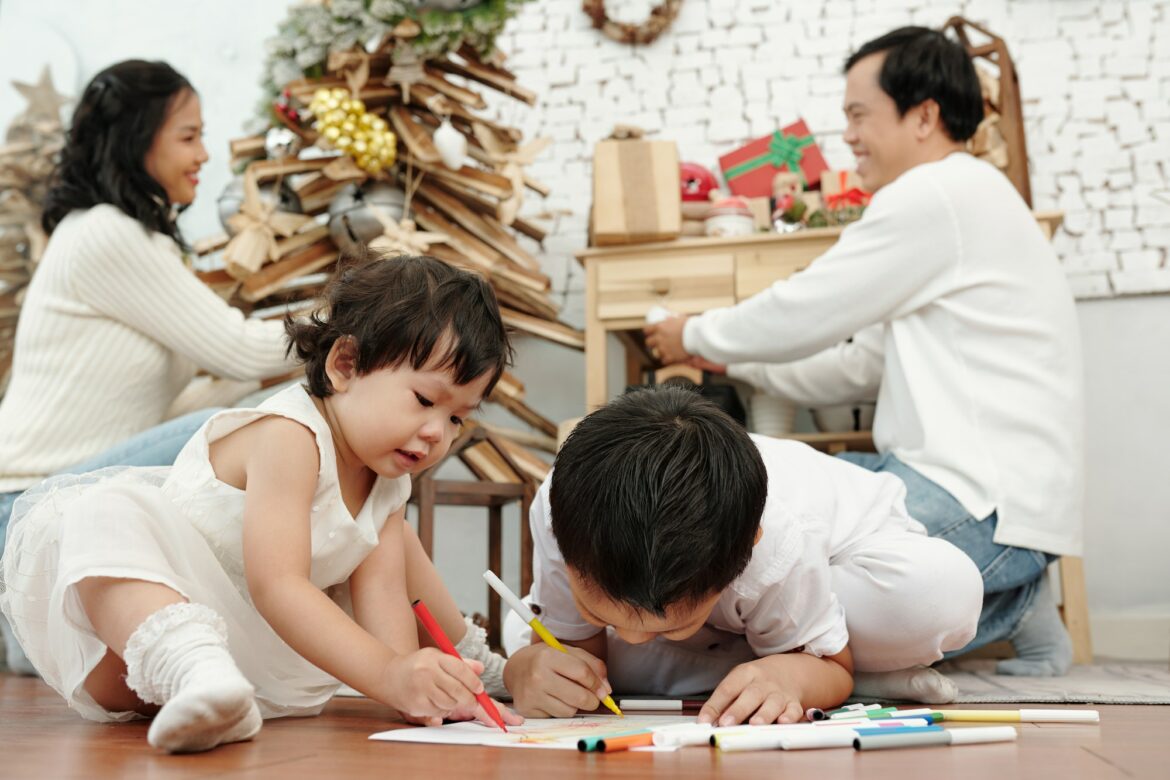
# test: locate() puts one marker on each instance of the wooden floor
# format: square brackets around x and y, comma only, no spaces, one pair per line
[41,738]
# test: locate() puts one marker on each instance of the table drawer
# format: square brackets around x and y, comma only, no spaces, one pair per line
[756,267]
[628,287]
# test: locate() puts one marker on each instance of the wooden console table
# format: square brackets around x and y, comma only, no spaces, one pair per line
[688,276]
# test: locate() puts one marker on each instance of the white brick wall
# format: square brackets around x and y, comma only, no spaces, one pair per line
[1095,79]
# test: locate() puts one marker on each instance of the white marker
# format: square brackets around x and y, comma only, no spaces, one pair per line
[878,741]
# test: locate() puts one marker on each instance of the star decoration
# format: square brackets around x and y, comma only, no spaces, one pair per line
[403,236]
[406,70]
[44,101]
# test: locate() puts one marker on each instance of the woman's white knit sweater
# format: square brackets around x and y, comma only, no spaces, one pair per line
[112,328]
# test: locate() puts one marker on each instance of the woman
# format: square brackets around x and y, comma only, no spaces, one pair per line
[114,326]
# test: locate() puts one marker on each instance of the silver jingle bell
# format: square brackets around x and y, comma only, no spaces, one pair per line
[232,198]
[352,224]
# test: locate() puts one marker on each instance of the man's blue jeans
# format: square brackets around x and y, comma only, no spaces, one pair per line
[1011,575]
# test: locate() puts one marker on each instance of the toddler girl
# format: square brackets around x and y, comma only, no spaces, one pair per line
[273,559]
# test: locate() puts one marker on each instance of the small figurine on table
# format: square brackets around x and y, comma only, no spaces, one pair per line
[790,209]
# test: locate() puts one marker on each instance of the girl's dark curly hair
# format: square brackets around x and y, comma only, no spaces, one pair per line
[404,310]
[113,127]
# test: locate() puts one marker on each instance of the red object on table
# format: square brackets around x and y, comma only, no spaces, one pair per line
[696,182]
[436,631]
[749,169]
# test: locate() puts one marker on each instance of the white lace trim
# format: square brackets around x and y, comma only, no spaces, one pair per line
[153,629]
[473,645]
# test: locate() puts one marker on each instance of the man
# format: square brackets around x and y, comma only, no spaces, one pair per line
[961,323]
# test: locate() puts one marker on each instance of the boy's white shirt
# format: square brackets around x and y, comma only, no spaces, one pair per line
[965,330]
[817,507]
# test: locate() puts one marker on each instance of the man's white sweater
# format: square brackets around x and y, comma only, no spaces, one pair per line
[112,328]
[965,325]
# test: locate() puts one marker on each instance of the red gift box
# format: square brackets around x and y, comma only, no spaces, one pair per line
[749,169]
[842,189]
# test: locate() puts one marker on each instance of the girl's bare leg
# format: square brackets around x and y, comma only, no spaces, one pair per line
[116,607]
[165,651]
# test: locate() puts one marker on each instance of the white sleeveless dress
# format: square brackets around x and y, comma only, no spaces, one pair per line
[182,527]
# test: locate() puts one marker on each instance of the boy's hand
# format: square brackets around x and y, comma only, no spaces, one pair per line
[545,682]
[428,684]
[758,692]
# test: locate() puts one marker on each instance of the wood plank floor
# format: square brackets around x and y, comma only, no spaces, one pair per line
[41,738]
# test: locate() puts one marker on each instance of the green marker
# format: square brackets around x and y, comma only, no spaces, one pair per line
[881,712]
[590,744]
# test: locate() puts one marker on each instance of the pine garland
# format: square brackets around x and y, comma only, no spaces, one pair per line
[306,37]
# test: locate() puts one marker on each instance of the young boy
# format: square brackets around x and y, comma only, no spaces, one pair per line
[756,567]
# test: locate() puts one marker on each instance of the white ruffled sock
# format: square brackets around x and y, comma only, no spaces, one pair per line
[474,646]
[918,683]
[1042,644]
[179,658]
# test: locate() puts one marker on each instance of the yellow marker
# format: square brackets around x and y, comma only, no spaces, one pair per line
[1021,716]
[528,617]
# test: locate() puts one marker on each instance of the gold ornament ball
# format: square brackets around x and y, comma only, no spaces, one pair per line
[331,134]
[378,124]
[343,142]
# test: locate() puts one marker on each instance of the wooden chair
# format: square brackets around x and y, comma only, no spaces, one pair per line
[500,481]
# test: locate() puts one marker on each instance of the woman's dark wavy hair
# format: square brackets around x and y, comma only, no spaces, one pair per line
[404,310]
[104,159]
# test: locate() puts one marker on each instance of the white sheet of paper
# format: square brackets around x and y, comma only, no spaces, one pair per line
[548,733]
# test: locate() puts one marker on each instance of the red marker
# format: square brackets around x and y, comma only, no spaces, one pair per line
[436,631]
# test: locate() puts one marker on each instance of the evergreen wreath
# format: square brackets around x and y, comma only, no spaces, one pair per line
[661,16]
[311,32]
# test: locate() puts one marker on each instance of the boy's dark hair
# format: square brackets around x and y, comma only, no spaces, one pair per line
[923,64]
[401,310]
[104,159]
[656,498]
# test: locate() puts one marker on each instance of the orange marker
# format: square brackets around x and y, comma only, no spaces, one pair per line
[436,631]
[614,744]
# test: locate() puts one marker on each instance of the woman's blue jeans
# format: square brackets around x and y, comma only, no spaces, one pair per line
[157,446]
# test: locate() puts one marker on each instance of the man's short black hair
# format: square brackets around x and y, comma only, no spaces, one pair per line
[923,64]
[656,498]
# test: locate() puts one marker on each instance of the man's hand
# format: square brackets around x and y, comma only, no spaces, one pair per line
[665,340]
[545,682]
[758,692]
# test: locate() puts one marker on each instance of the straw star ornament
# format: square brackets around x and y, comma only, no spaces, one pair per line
[44,101]
[403,236]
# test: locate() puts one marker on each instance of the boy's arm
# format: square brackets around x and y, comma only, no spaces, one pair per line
[778,688]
